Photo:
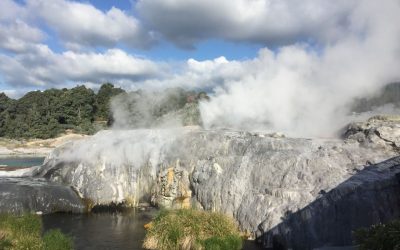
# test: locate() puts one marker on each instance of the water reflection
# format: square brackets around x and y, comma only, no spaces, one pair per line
[123,230]
[102,230]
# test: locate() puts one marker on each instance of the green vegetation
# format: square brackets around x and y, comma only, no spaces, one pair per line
[24,233]
[192,229]
[144,109]
[103,97]
[46,114]
[379,237]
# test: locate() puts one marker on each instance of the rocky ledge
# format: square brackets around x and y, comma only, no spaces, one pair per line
[369,197]
[24,195]
[300,191]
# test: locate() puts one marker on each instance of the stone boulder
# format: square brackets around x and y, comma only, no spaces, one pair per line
[381,132]
[26,195]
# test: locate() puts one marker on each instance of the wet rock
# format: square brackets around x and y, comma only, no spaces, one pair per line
[23,195]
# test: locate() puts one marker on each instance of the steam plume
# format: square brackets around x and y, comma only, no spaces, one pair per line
[308,93]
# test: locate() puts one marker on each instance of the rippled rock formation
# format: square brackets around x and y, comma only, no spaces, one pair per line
[258,178]
[371,196]
[380,132]
[26,195]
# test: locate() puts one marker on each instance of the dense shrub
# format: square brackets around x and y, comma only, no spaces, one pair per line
[379,237]
[191,229]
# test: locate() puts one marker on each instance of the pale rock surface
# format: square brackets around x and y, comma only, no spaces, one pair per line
[369,197]
[257,178]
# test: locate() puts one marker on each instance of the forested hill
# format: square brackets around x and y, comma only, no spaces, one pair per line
[46,114]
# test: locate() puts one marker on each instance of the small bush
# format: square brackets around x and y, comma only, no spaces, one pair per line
[191,229]
[379,237]
[24,233]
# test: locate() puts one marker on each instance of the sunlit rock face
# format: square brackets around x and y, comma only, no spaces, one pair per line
[112,166]
[380,132]
[257,178]
[25,195]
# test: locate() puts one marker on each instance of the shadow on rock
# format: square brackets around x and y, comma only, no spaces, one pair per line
[369,197]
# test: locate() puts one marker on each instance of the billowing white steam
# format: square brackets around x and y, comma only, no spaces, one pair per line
[305,92]
[115,148]
[301,89]
[298,89]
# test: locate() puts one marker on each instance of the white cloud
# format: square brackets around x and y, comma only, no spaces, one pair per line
[83,25]
[44,68]
[9,10]
[268,22]
[78,25]
[18,36]
[302,92]
[296,89]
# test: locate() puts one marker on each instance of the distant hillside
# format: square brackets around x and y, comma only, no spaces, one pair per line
[46,114]
[390,94]
[146,109]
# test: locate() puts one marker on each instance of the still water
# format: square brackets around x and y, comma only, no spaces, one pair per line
[102,230]
[13,162]
[108,230]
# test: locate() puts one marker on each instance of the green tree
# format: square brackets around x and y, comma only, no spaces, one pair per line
[103,98]
[381,236]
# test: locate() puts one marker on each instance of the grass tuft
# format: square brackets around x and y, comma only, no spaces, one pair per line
[56,240]
[191,229]
[24,233]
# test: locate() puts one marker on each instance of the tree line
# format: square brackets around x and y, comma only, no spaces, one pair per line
[47,114]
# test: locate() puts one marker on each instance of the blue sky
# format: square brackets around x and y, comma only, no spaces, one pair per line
[163,43]
[165,50]
[285,65]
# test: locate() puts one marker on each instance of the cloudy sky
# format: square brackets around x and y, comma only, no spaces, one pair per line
[255,57]
[57,43]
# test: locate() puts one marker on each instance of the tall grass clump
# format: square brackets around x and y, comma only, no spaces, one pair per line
[192,229]
[25,233]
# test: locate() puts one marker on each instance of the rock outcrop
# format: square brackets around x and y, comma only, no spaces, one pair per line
[371,196]
[26,195]
[380,132]
[259,179]
[172,189]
